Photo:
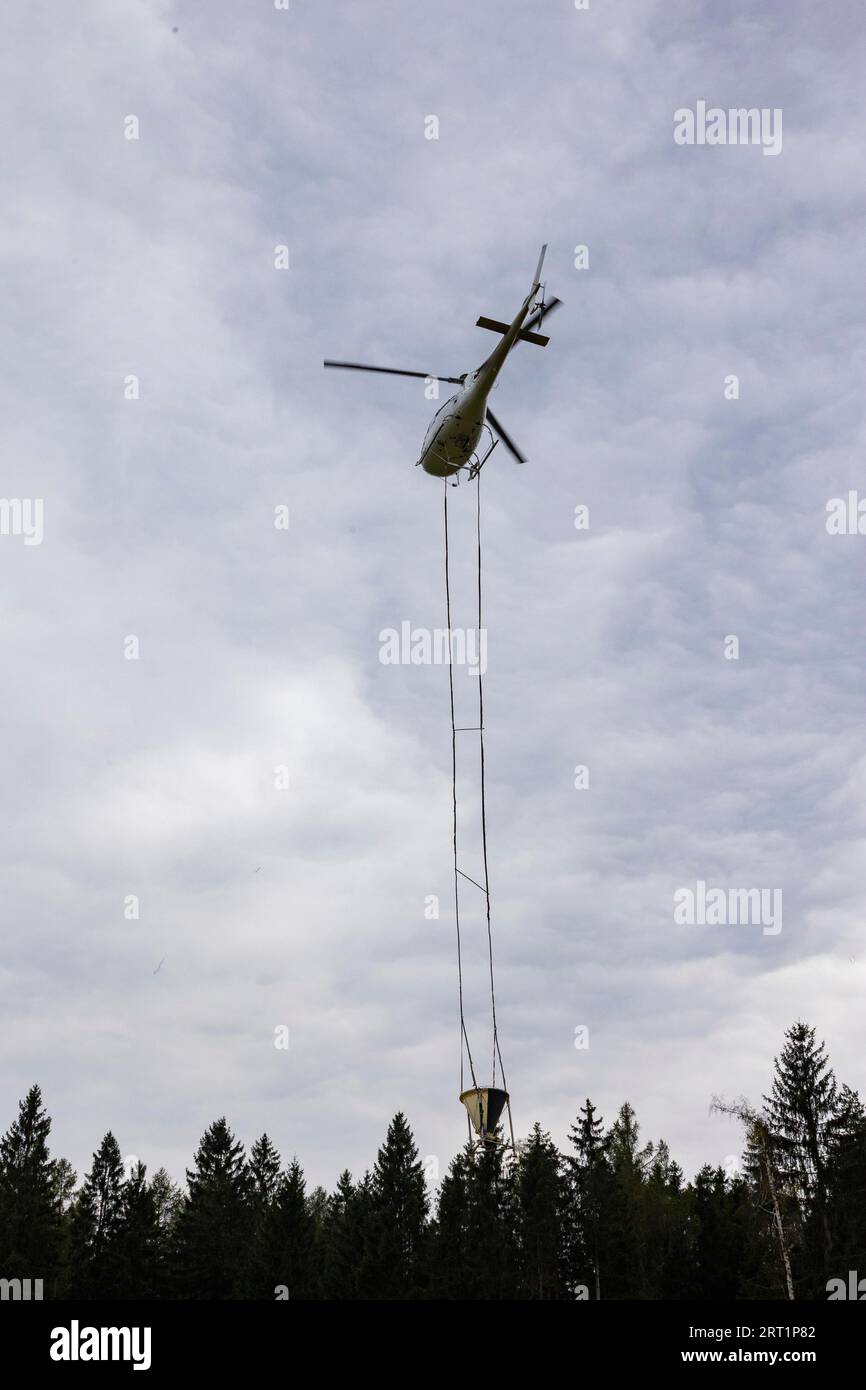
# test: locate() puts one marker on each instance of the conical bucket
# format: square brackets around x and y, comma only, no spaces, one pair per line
[485,1105]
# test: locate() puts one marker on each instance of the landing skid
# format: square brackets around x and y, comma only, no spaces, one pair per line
[476,464]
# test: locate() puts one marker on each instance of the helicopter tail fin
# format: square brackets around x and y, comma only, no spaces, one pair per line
[537,277]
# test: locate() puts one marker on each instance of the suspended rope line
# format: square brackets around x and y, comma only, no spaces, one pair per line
[458,872]
[496,1049]
[464,1037]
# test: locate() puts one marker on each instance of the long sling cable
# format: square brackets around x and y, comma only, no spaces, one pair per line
[458,873]
[496,1048]
[464,1037]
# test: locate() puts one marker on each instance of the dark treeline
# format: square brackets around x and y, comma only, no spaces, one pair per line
[610,1218]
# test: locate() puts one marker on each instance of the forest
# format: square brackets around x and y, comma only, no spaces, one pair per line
[610,1218]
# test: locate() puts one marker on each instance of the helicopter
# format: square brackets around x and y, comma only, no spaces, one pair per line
[451,442]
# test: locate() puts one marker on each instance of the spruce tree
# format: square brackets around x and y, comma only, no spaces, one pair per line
[95,1223]
[342,1242]
[317,1206]
[493,1252]
[589,1175]
[846,1180]
[30,1211]
[726,1257]
[665,1224]
[137,1246]
[214,1223]
[625,1247]
[541,1207]
[168,1201]
[473,1249]
[800,1110]
[288,1239]
[365,1229]
[63,1180]
[265,1168]
[451,1276]
[399,1211]
[800,1114]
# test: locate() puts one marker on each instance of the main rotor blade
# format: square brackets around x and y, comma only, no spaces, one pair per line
[541,314]
[505,437]
[393,371]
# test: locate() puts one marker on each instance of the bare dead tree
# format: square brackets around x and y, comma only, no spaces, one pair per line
[758,1135]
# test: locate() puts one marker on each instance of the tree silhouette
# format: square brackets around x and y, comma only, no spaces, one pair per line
[31,1202]
[612,1220]
[96,1218]
[215,1222]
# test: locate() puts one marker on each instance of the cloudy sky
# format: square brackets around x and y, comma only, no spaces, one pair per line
[258,648]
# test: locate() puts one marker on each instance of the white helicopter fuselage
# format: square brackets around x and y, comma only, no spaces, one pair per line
[454,432]
[456,428]
[452,440]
